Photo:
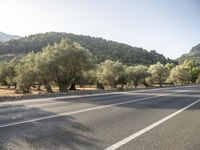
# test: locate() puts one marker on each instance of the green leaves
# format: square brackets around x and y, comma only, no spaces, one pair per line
[137,74]
[159,73]
[101,48]
[180,75]
[26,73]
[109,72]
[65,62]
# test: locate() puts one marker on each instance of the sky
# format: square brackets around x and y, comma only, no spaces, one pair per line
[171,27]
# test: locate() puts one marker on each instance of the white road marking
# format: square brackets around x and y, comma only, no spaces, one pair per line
[50,103]
[90,95]
[52,100]
[81,111]
[139,133]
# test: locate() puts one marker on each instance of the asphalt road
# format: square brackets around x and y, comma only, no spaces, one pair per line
[161,119]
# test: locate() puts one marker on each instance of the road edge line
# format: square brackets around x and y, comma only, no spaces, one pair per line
[148,128]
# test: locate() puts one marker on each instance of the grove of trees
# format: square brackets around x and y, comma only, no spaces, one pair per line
[101,48]
[68,63]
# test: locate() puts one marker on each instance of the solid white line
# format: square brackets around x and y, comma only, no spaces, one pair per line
[90,95]
[139,133]
[80,111]
[53,103]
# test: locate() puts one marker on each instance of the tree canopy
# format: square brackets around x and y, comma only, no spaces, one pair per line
[159,73]
[137,74]
[109,72]
[180,75]
[65,61]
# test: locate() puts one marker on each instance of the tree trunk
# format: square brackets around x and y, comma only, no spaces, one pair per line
[145,84]
[39,85]
[48,88]
[160,83]
[122,85]
[26,90]
[121,88]
[15,86]
[114,86]
[135,84]
[100,86]
[63,87]
[73,87]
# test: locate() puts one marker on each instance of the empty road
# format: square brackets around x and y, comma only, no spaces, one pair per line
[158,119]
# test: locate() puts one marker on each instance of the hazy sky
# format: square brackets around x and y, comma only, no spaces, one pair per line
[171,27]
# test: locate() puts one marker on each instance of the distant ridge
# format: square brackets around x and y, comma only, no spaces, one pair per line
[101,48]
[6,37]
[194,54]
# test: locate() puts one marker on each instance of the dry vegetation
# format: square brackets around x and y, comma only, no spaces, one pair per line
[5,91]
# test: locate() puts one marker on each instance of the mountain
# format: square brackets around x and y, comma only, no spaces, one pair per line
[5,37]
[194,54]
[101,48]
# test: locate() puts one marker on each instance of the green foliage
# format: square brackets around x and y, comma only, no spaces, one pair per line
[8,72]
[193,55]
[110,72]
[26,73]
[137,74]
[195,72]
[159,73]
[42,69]
[169,66]
[65,62]
[3,73]
[198,79]
[180,75]
[101,48]
[193,69]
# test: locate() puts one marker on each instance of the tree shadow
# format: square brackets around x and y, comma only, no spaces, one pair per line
[162,99]
[56,133]
[68,133]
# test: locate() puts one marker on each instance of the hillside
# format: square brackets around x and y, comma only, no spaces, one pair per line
[194,54]
[101,48]
[5,37]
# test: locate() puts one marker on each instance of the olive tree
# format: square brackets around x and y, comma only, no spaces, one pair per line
[169,66]
[3,73]
[137,74]
[198,80]
[193,69]
[43,78]
[64,62]
[180,75]
[8,72]
[110,72]
[25,73]
[159,73]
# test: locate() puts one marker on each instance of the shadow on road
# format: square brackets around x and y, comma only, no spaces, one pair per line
[173,101]
[68,133]
[57,133]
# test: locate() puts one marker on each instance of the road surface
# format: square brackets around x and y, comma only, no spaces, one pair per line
[159,119]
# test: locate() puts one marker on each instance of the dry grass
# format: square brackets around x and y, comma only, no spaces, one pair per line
[5,91]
